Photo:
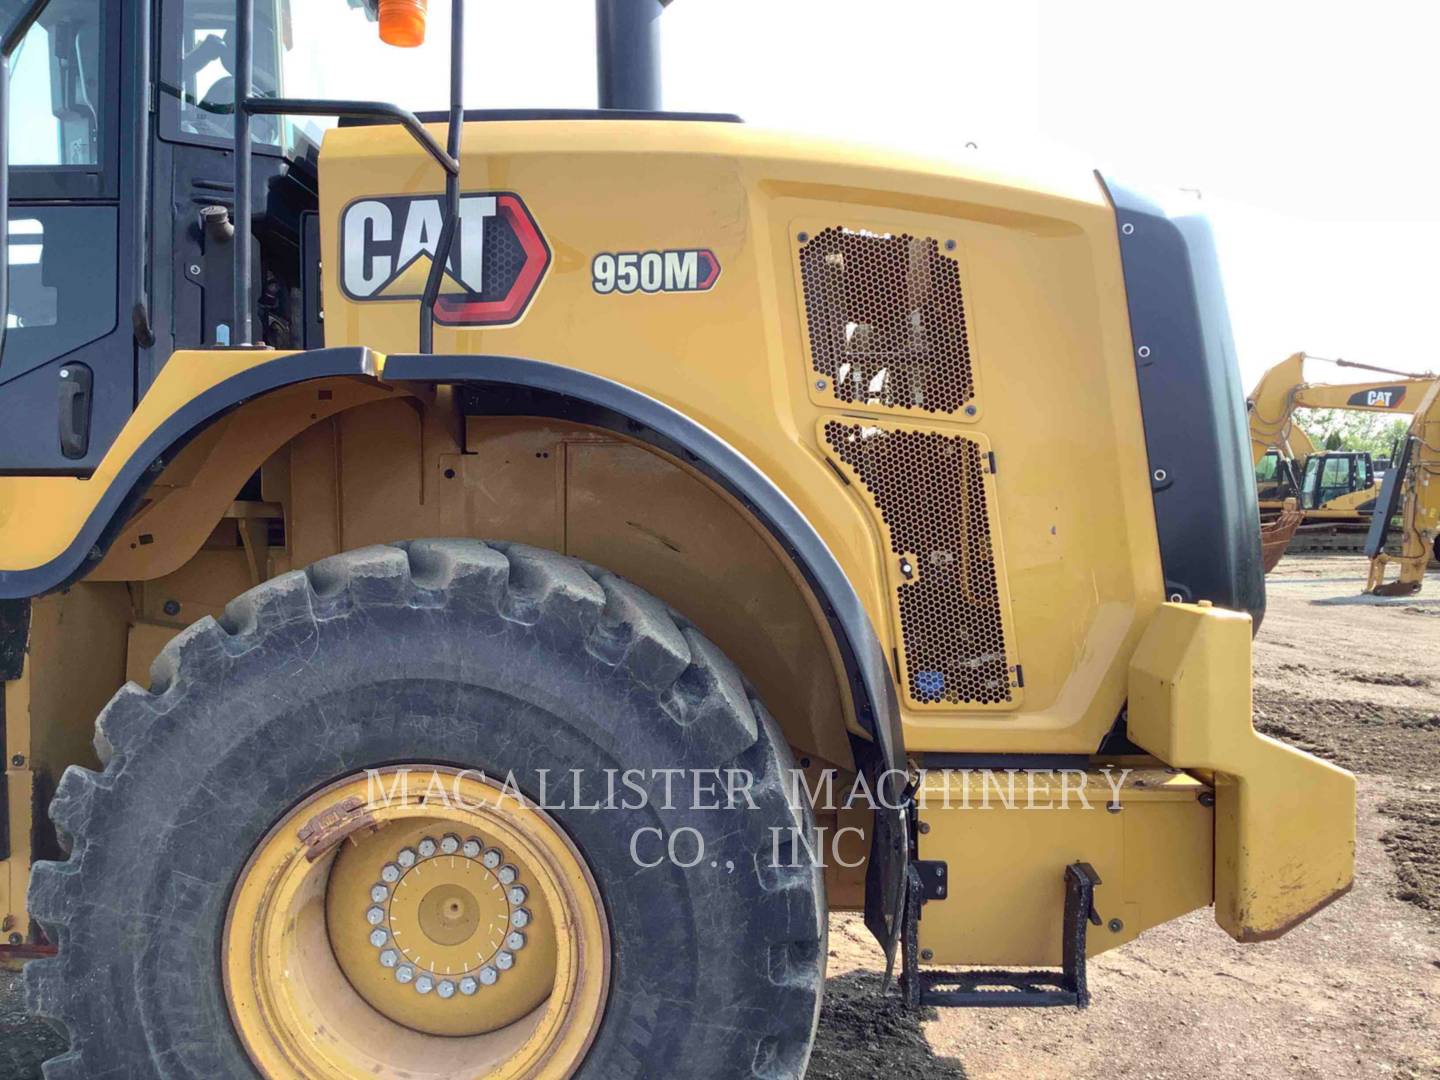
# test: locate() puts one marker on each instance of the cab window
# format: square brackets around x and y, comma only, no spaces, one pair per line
[1335,480]
[56,119]
[197,101]
[1310,485]
[1269,465]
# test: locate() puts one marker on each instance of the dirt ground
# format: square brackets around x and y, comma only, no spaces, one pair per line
[1353,992]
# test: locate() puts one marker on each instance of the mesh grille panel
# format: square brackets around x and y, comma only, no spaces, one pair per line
[930,491]
[887,320]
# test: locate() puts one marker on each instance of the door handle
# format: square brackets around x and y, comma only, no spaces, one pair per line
[76,392]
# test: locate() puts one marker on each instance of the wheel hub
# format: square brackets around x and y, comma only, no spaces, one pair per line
[438,931]
[380,932]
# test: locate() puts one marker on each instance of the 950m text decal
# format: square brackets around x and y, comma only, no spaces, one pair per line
[684,270]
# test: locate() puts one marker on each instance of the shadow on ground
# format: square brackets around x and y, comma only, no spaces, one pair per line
[864,1033]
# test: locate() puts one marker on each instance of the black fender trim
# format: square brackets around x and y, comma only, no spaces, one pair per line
[511,386]
[498,385]
[519,387]
[1192,405]
[137,474]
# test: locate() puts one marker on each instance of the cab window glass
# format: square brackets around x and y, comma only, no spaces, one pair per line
[198,91]
[55,88]
[1267,468]
[1310,486]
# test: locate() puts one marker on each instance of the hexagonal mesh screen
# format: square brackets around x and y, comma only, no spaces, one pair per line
[886,320]
[930,491]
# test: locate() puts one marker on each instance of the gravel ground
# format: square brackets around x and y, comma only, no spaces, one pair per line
[1353,992]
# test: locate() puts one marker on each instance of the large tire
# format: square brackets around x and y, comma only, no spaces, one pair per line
[495,657]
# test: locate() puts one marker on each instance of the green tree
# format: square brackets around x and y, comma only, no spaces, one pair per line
[1347,429]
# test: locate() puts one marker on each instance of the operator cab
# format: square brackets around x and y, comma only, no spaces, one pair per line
[119,239]
[1330,475]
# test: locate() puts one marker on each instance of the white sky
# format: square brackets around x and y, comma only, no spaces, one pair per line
[1309,129]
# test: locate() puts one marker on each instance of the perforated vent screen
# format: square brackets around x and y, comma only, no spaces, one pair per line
[886,320]
[930,491]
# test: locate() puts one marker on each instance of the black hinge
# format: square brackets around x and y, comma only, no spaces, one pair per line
[990,454]
[934,879]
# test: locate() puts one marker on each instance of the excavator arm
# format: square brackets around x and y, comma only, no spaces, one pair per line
[1413,483]
[1283,389]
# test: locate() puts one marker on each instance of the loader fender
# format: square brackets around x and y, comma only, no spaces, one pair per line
[84,516]
[504,385]
[512,386]
[186,398]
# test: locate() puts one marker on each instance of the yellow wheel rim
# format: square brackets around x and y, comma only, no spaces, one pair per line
[416,922]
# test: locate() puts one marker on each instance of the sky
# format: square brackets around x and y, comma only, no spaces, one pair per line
[1306,131]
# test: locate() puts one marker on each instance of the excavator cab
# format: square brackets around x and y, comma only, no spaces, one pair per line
[1331,475]
[1277,478]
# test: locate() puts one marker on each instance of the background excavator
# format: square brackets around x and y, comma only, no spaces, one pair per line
[1412,486]
[1327,497]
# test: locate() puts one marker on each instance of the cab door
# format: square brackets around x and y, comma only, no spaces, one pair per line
[68,362]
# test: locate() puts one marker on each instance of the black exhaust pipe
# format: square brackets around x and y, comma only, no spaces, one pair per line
[627,53]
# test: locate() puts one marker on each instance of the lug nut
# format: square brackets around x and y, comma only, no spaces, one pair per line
[378,938]
[426,848]
[404,973]
[375,916]
[389,958]
[471,848]
[488,975]
[449,844]
[514,941]
[446,989]
[504,961]
[468,986]
[518,894]
[491,858]
[379,893]
[406,858]
[520,918]
[507,874]
[390,873]
[424,984]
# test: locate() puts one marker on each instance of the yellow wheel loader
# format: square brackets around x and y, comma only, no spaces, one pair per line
[480,588]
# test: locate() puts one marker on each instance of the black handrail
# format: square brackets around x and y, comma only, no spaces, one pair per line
[8,44]
[140,310]
[248,105]
[452,180]
[360,110]
[244,76]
